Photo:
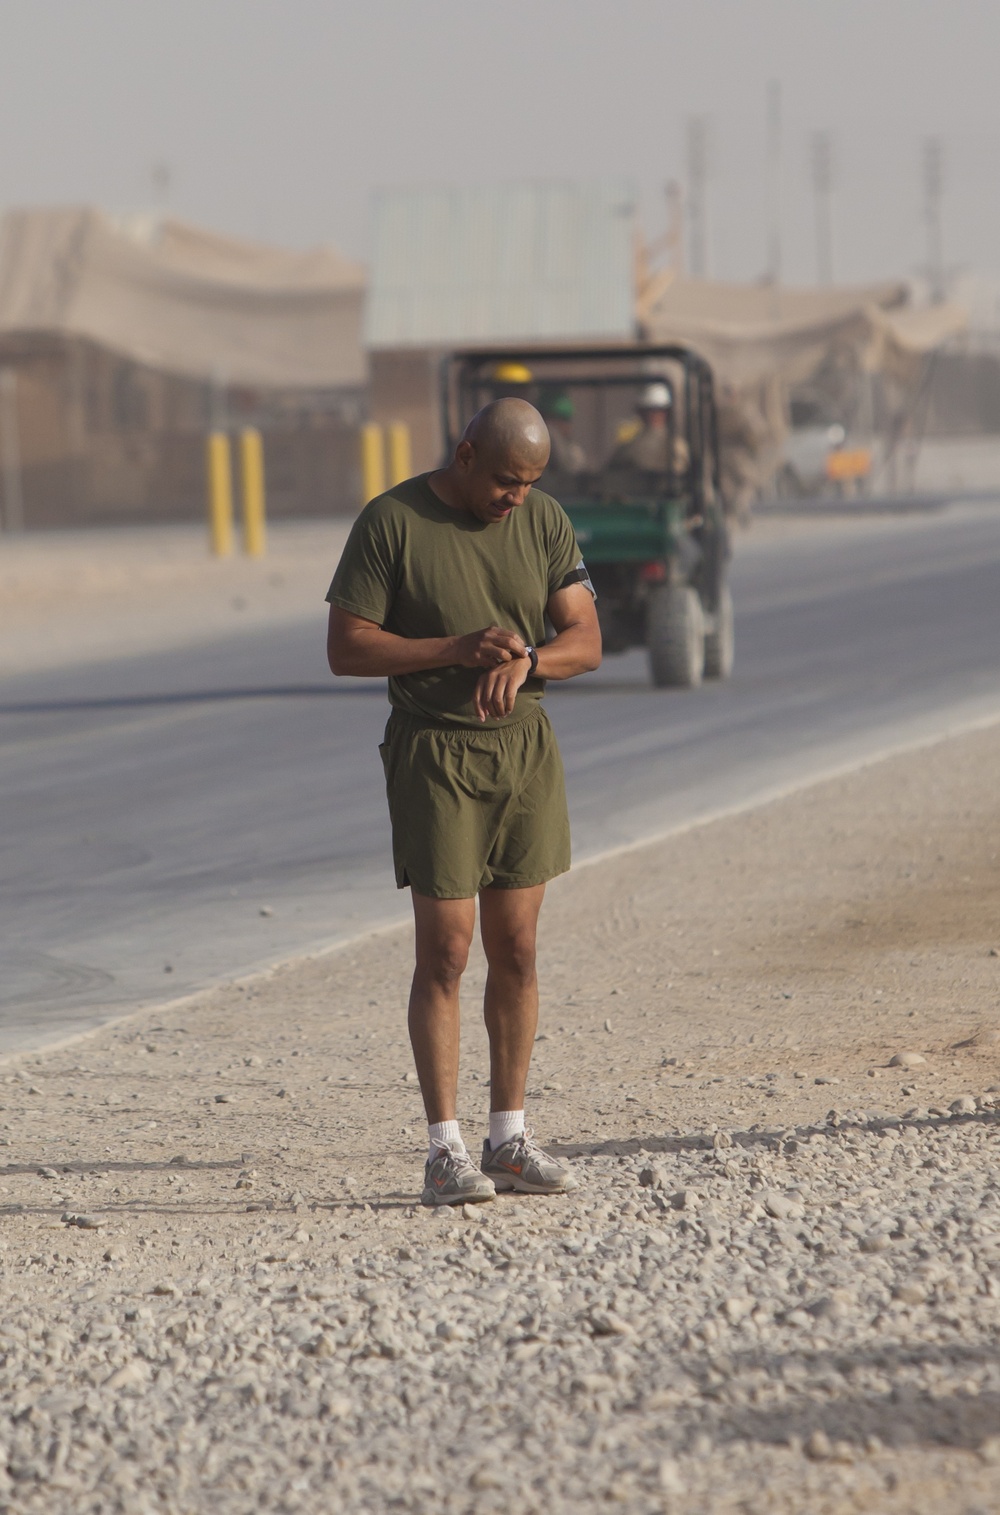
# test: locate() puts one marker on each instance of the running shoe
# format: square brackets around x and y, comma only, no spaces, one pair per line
[522,1165]
[452,1178]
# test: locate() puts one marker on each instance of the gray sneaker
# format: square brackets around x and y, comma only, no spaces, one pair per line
[452,1178]
[522,1165]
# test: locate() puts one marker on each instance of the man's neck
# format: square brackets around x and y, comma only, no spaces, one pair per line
[442,485]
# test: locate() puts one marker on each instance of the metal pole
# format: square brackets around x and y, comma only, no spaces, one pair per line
[254,499]
[675,227]
[933,191]
[400,466]
[774,183]
[220,494]
[697,145]
[822,178]
[372,461]
[10,445]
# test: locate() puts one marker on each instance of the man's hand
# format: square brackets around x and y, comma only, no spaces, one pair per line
[497,689]
[489,648]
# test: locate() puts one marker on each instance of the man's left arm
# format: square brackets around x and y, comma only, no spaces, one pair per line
[575,648]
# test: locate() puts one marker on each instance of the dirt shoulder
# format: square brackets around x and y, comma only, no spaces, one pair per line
[775,1290]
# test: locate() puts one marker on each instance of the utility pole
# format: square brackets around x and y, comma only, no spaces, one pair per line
[675,227]
[697,166]
[822,181]
[160,176]
[933,167]
[774,183]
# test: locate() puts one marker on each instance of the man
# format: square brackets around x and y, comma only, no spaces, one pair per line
[444,587]
[567,456]
[647,449]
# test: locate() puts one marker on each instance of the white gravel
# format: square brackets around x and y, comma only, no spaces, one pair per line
[220,1297]
[822,1301]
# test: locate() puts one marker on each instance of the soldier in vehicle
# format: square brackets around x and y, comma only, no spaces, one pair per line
[512,381]
[567,456]
[647,449]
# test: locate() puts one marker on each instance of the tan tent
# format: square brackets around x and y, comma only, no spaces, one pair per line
[753,332]
[763,340]
[902,340]
[184,301]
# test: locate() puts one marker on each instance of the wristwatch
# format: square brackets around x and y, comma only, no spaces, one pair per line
[531,654]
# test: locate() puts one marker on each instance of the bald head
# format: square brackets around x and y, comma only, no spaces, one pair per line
[509,432]
[501,456]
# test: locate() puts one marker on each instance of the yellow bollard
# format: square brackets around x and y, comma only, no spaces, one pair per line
[400,466]
[372,461]
[220,494]
[254,499]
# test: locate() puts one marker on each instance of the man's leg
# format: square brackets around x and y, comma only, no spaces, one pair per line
[512,1159]
[443,936]
[509,923]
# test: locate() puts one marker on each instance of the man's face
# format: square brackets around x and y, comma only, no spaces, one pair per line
[654,419]
[493,487]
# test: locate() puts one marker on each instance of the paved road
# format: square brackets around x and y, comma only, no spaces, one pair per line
[173,819]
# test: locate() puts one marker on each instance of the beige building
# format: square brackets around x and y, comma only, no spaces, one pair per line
[531,263]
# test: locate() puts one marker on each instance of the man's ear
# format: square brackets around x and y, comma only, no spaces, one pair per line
[465,456]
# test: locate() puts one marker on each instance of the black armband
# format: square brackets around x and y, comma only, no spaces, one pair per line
[579,575]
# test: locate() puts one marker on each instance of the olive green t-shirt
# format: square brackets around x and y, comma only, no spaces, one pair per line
[421,569]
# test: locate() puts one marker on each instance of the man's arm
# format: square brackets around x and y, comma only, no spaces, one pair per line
[363,648]
[575,648]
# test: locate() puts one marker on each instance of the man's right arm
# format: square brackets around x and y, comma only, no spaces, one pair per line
[362,648]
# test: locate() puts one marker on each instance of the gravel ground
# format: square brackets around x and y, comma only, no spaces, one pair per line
[777,1290]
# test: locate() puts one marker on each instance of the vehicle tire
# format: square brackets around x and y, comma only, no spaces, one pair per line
[720,643]
[675,635]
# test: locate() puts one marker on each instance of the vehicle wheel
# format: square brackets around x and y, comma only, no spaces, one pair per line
[720,641]
[675,635]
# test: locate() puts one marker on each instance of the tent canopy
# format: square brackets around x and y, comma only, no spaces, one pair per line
[184,300]
[754,332]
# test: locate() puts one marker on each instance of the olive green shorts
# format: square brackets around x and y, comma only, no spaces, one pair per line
[475,809]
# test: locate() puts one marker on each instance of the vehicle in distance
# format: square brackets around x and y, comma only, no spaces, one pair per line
[635,465]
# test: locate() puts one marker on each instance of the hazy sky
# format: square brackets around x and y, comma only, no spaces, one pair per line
[278,117]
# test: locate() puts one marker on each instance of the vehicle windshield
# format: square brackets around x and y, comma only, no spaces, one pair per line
[616,426]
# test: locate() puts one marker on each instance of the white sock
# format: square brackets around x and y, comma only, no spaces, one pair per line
[505,1124]
[444,1133]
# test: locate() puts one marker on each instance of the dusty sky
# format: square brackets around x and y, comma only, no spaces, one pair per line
[278,117]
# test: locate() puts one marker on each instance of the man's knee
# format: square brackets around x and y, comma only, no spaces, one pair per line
[513,954]
[443,959]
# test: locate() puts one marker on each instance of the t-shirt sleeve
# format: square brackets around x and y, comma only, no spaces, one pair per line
[565,559]
[365,580]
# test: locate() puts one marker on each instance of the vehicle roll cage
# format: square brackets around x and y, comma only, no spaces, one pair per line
[462,371]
